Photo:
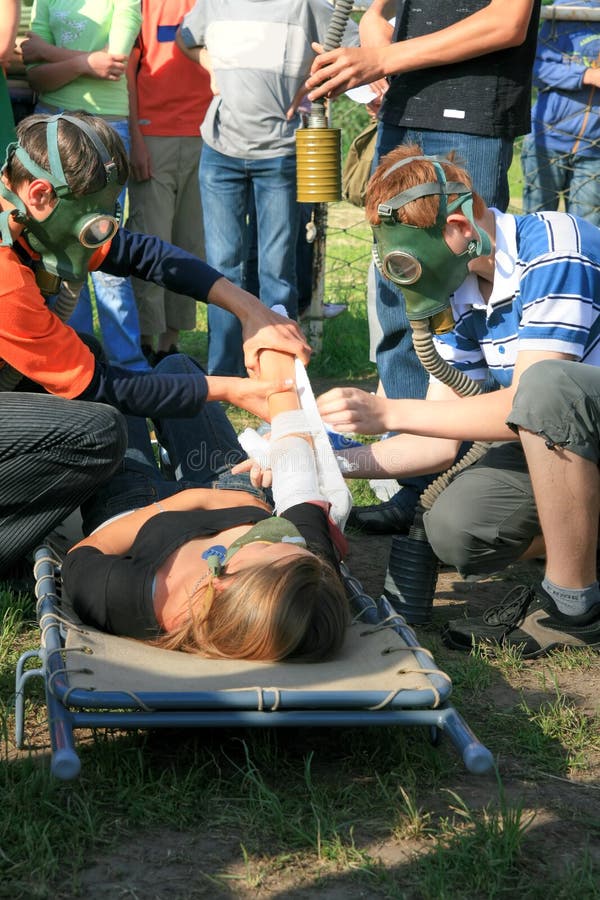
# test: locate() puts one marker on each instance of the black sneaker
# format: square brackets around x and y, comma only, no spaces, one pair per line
[382,518]
[527,618]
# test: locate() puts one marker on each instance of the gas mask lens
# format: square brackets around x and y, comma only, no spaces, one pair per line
[401,267]
[98,230]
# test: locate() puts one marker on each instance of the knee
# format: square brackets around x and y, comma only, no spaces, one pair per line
[178,364]
[459,536]
[477,537]
[450,534]
[106,436]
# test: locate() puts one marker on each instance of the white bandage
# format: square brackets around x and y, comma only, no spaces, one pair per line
[295,477]
[294,421]
[307,420]
[256,447]
[331,480]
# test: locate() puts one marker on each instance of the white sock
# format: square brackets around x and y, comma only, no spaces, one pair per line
[573,601]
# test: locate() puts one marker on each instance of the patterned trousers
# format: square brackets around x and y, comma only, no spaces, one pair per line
[53,454]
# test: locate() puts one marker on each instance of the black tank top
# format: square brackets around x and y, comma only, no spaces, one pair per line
[113,592]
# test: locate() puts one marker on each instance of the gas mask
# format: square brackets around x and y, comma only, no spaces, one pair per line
[77,226]
[273,530]
[418,259]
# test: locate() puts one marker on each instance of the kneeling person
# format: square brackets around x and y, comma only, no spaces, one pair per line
[500,294]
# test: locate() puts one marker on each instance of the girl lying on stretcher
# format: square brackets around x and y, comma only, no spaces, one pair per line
[211,570]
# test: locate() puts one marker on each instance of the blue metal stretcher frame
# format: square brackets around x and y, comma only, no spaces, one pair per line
[70,708]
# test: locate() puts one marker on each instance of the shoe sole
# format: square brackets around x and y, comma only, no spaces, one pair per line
[534,654]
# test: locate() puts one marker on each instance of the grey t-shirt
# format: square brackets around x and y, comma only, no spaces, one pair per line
[260,51]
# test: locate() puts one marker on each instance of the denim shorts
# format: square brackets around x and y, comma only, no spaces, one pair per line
[228,482]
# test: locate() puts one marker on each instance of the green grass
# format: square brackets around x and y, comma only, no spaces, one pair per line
[307,801]
[313,805]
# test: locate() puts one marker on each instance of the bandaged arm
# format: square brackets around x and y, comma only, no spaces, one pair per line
[295,477]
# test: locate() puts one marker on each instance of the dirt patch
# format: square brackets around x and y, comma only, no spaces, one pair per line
[170,865]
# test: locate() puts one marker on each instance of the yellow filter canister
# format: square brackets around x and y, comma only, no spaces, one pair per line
[319,166]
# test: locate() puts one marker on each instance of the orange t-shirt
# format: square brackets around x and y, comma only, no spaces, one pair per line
[33,340]
[173,93]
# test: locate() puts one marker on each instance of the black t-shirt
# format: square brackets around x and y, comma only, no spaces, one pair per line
[113,592]
[488,95]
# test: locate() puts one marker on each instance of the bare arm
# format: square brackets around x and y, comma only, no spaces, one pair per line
[499,25]
[279,367]
[261,327]
[591,76]
[431,429]
[9,25]
[206,63]
[37,50]
[118,536]
[51,76]
[252,394]
[199,55]
[51,67]
[141,163]
[374,28]
[290,440]
[403,456]
[479,418]
[193,53]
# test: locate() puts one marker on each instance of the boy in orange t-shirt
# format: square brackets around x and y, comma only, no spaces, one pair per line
[58,220]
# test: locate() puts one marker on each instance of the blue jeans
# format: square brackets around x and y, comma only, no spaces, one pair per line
[304,258]
[115,303]
[201,449]
[487,160]
[548,174]
[227,186]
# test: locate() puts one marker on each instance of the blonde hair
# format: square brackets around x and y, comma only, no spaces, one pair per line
[292,609]
[421,212]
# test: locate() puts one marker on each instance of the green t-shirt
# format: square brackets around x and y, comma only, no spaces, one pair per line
[89,25]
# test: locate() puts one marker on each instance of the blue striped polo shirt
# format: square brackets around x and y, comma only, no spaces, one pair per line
[545,296]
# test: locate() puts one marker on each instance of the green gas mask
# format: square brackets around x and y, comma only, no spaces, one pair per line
[77,226]
[418,259]
[273,530]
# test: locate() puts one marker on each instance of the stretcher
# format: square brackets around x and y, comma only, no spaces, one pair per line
[95,680]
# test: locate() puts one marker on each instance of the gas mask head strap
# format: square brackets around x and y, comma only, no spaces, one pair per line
[442,187]
[56,175]
[273,530]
